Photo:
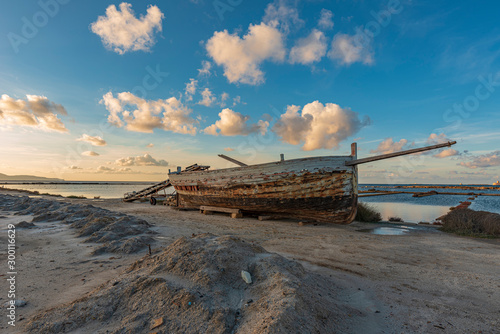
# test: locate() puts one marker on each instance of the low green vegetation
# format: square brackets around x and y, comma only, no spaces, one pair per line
[367,214]
[472,223]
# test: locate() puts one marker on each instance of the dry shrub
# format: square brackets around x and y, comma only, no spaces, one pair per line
[470,222]
[367,214]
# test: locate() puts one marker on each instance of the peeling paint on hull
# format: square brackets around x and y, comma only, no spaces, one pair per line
[321,189]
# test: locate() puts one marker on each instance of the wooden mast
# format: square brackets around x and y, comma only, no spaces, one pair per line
[234,161]
[397,154]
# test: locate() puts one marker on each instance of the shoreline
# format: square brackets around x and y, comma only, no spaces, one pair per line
[461,187]
[382,278]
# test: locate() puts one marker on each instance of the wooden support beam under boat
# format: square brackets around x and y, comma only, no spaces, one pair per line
[234,161]
[397,154]
[208,210]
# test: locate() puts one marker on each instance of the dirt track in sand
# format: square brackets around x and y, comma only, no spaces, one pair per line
[424,281]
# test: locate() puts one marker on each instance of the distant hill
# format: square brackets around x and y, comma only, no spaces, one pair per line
[30,178]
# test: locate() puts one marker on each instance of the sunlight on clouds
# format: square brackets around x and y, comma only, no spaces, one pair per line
[145,116]
[437,139]
[121,31]
[446,153]
[350,49]
[36,111]
[318,126]
[326,20]
[389,146]
[190,89]
[144,160]
[223,98]
[208,98]
[233,123]
[310,49]
[241,57]
[90,154]
[483,161]
[104,169]
[283,14]
[95,141]
[205,68]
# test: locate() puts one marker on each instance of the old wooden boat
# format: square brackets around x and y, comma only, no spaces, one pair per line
[323,189]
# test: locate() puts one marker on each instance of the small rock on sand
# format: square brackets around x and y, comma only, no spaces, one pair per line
[25,224]
[246,277]
[17,303]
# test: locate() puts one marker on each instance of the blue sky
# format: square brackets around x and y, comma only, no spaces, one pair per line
[98,90]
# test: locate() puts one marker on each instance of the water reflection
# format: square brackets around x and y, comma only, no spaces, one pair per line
[410,213]
[387,230]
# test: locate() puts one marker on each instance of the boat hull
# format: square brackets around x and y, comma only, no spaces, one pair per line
[321,189]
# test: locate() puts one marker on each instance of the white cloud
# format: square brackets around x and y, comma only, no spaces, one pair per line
[208,98]
[205,68]
[237,100]
[389,146]
[115,108]
[241,57]
[484,161]
[446,153]
[437,139]
[326,20]
[36,111]
[223,98]
[293,127]
[233,123]
[351,49]
[90,154]
[318,126]
[150,145]
[104,169]
[139,115]
[144,160]
[74,167]
[122,32]
[283,14]
[229,149]
[95,141]
[190,89]
[309,49]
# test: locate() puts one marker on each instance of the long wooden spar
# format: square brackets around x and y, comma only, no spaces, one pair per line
[397,154]
[234,161]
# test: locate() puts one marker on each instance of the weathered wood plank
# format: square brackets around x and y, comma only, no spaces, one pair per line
[234,161]
[219,209]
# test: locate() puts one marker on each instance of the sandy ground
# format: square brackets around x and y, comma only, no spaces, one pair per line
[424,281]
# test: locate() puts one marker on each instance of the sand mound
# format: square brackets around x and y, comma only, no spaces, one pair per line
[195,286]
[120,233]
[25,224]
